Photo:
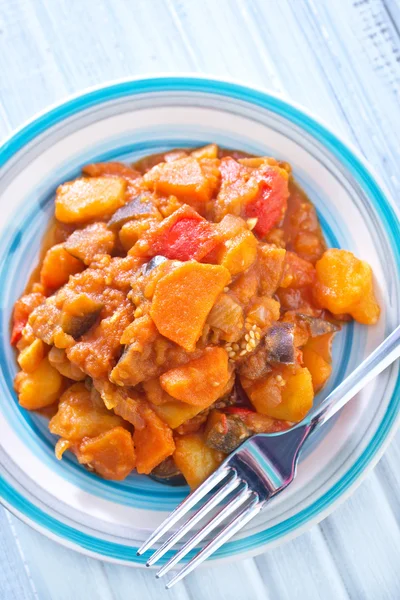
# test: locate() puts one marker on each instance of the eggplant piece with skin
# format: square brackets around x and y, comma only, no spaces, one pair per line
[136,208]
[279,344]
[318,326]
[153,263]
[94,239]
[77,325]
[79,315]
[225,432]
[168,473]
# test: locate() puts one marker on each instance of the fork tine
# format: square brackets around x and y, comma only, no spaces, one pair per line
[215,499]
[236,501]
[184,506]
[248,513]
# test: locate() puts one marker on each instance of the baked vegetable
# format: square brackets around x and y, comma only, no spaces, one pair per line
[181,305]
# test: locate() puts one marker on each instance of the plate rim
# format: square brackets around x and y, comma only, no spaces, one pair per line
[346,152]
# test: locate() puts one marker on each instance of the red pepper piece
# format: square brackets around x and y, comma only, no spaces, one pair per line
[270,204]
[16,332]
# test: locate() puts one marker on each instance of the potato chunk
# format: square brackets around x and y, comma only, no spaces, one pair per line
[288,396]
[195,459]
[57,267]
[39,388]
[344,285]
[78,417]
[84,200]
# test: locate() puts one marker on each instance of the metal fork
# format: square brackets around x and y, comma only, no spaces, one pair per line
[262,467]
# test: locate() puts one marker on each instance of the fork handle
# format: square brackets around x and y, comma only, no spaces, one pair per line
[383,356]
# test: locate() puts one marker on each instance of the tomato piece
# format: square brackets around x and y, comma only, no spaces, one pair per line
[188,238]
[22,309]
[270,204]
[16,331]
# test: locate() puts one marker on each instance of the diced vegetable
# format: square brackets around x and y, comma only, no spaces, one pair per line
[78,417]
[225,432]
[58,359]
[279,343]
[320,369]
[168,473]
[111,454]
[84,200]
[155,394]
[246,285]
[226,316]
[318,326]
[237,188]
[153,263]
[297,272]
[40,387]
[57,267]
[288,396]
[30,357]
[271,260]
[154,443]
[239,253]
[201,381]
[183,178]
[195,459]
[264,311]
[269,206]
[79,314]
[184,235]
[183,298]
[94,239]
[344,285]
[140,206]
[22,309]
[175,412]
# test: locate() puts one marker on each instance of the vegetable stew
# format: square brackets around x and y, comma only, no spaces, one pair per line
[181,305]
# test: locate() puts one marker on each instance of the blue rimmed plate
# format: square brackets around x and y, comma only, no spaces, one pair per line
[129,120]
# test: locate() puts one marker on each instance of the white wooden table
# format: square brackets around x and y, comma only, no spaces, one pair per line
[341,60]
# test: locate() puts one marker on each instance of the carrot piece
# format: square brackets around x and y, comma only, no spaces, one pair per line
[111,454]
[201,381]
[195,459]
[154,443]
[183,298]
[57,266]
